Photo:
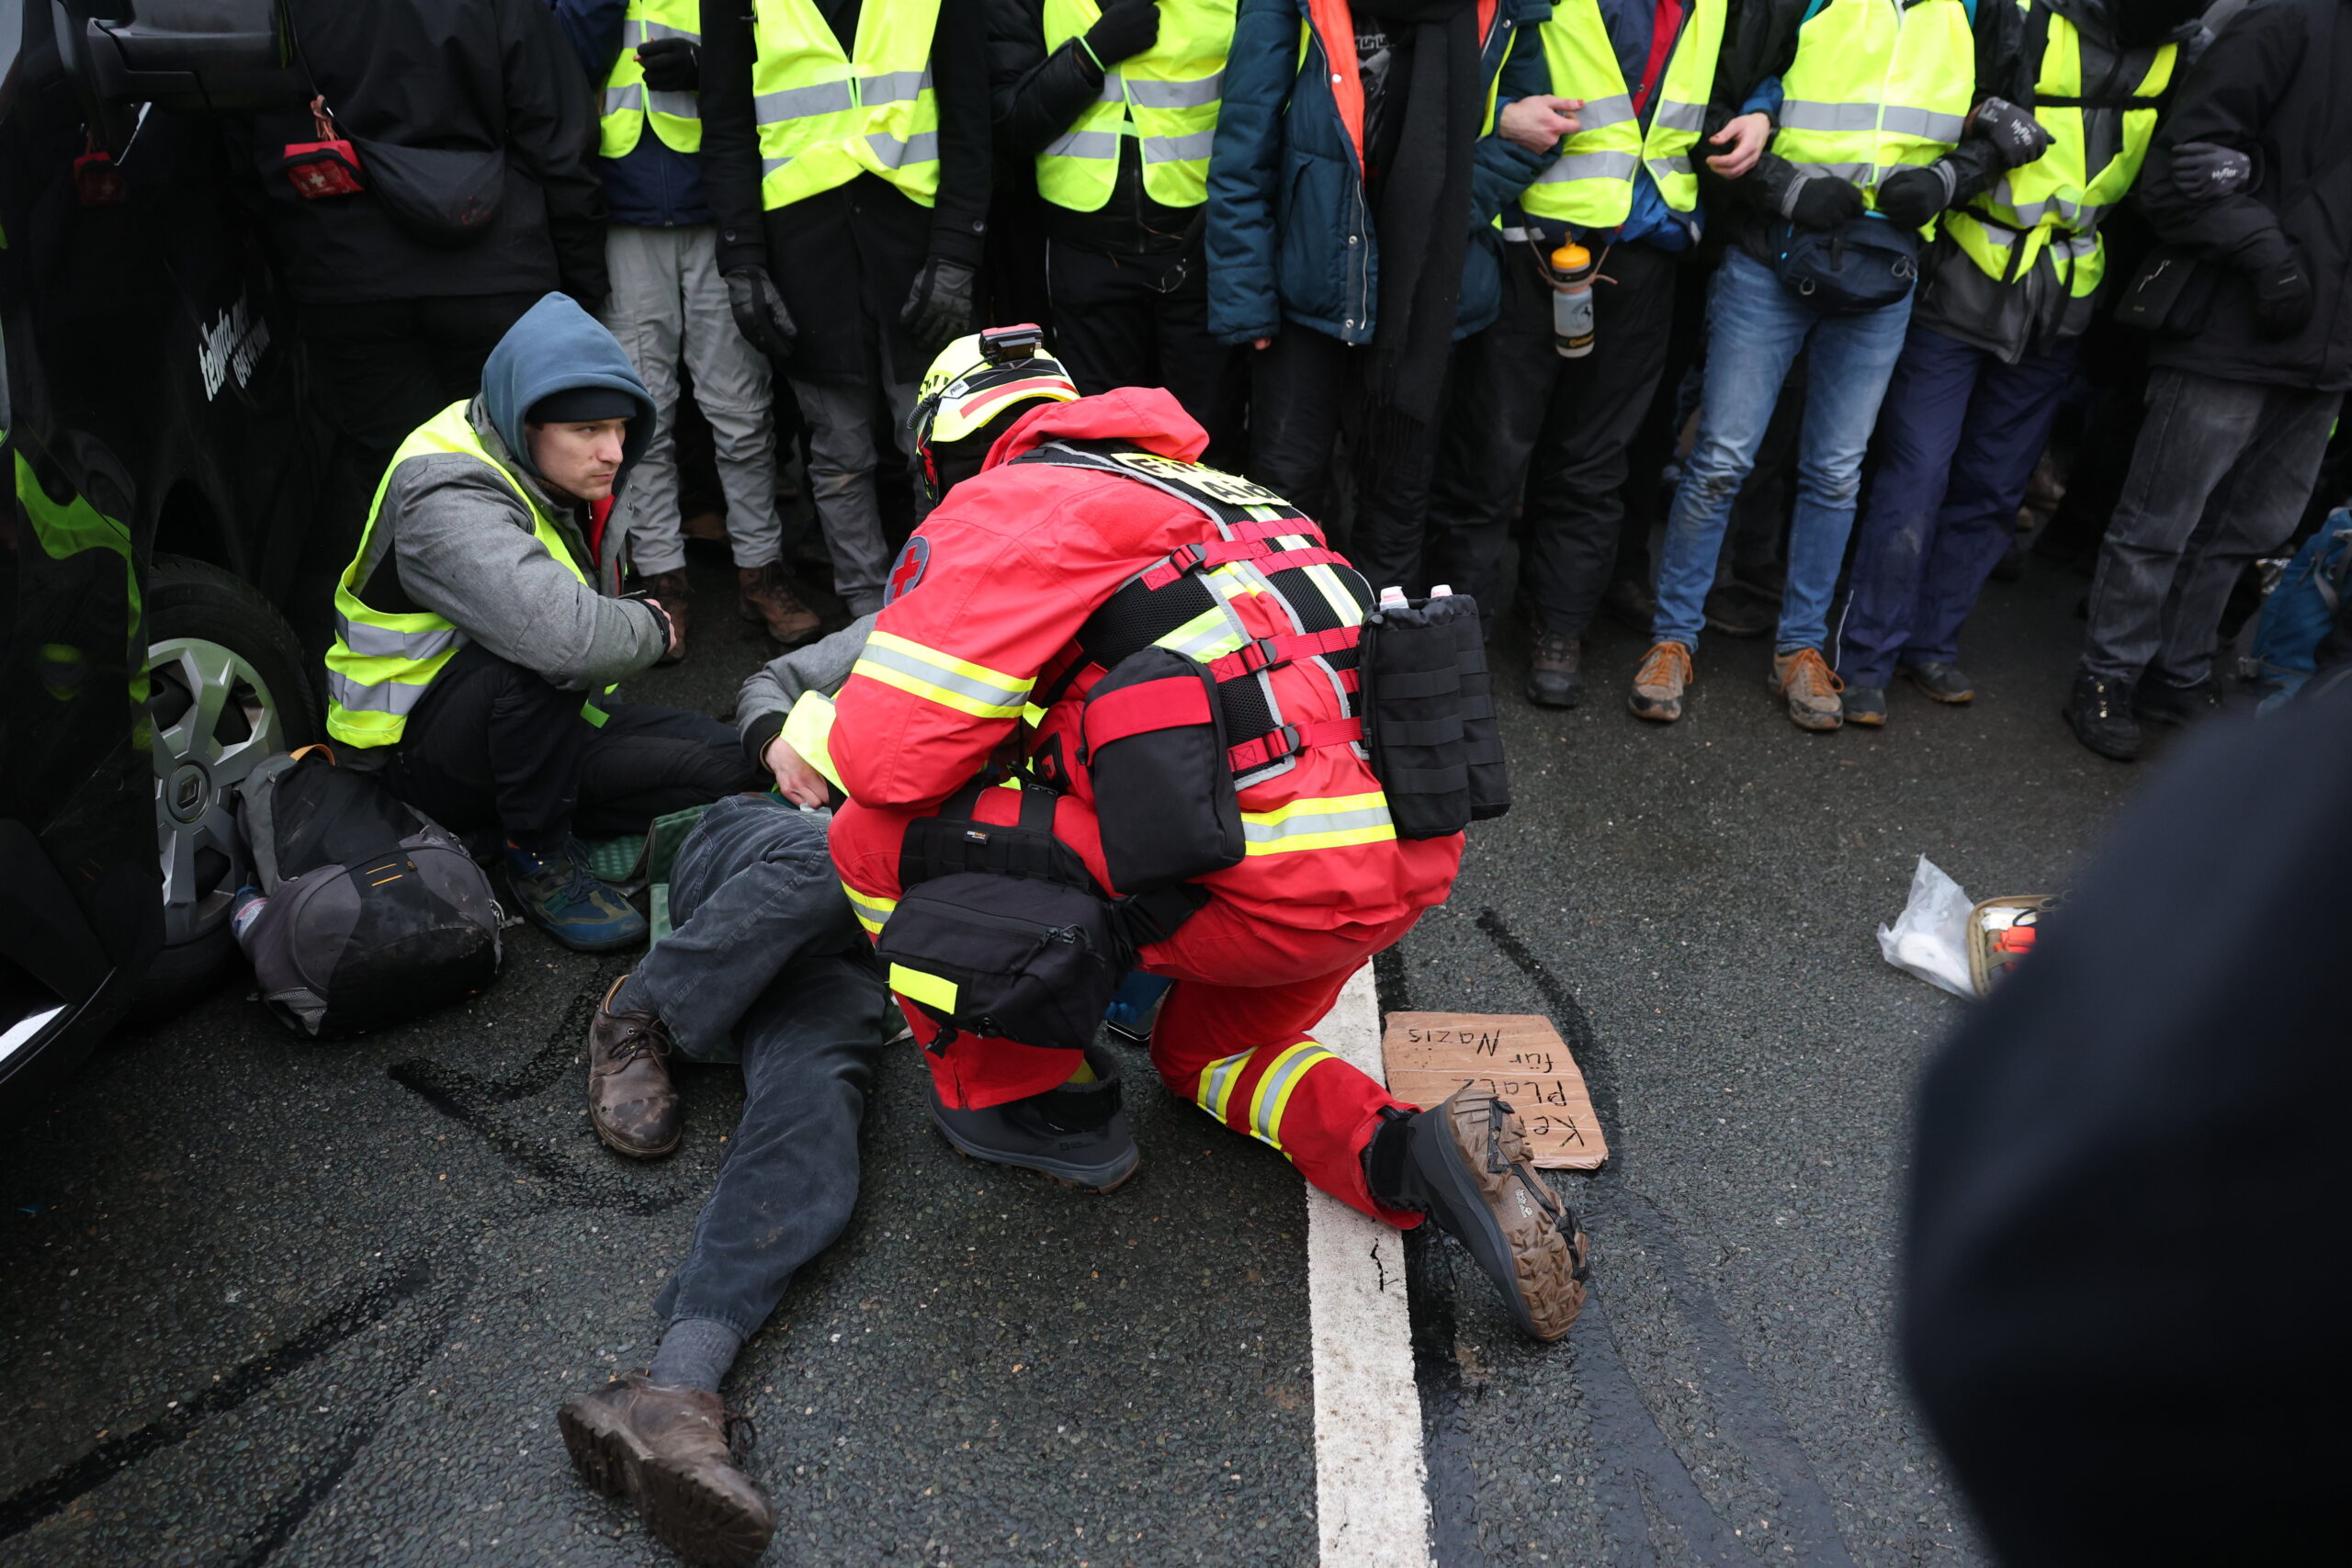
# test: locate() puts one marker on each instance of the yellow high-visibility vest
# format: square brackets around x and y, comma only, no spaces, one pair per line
[1166,98]
[629,103]
[2056,202]
[826,118]
[1591,183]
[381,662]
[1877,85]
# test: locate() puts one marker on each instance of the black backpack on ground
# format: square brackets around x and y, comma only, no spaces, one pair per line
[375,913]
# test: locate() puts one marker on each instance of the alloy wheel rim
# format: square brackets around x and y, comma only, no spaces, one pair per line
[215,721]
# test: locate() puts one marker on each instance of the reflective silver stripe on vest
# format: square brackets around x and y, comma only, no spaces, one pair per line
[382,642]
[1198,93]
[1156,149]
[832,97]
[1673,115]
[1615,109]
[1858,174]
[1590,167]
[934,673]
[677,106]
[1927,124]
[636,33]
[1669,168]
[1308,823]
[395,698]
[922,147]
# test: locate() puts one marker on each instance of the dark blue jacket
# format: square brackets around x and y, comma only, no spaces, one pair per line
[655,186]
[1290,235]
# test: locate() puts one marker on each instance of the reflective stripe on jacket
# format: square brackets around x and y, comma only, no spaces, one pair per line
[2053,206]
[629,103]
[1877,85]
[824,118]
[382,662]
[1591,183]
[1166,98]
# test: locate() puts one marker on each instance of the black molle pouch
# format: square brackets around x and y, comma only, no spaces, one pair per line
[1482,733]
[1155,747]
[954,841]
[1413,713]
[1009,956]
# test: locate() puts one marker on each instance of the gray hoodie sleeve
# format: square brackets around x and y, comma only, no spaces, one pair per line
[465,550]
[770,691]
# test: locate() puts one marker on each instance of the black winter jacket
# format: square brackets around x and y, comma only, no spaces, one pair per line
[1038,95]
[469,75]
[846,258]
[2272,85]
[1760,45]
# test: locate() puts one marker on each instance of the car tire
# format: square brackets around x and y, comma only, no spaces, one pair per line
[211,637]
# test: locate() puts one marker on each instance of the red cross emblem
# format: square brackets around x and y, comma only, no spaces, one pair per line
[908,570]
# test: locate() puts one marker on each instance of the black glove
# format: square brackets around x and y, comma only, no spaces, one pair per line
[759,312]
[2015,134]
[1127,28]
[939,306]
[2205,171]
[2283,300]
[671,65]
[1915,193]
[1822,202]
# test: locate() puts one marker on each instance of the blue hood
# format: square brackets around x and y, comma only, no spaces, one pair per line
[555,346]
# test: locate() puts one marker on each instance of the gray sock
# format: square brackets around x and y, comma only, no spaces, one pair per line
[694,1353]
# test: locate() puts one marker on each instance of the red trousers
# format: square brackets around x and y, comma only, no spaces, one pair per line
[1234,1036]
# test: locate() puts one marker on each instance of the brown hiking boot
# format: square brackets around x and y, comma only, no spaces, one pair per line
[675,590]
[1659,684]
[630,1102]
[666,1451]
[1810,687]
[760,595]
[1554,680]
[1468,1167]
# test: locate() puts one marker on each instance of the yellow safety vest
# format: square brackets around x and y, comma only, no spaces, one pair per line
[381,662]
[1165,98]
[1591,183]
[629,103]
[2056,202]
[826,118]
[1877,85]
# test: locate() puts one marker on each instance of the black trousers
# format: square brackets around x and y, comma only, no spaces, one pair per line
[379,369]
[1304,389]
[1524,421]
[494,744]
[1129,321]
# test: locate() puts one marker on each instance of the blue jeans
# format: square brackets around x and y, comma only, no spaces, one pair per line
[1755,330]
[1957,442]
[767,968]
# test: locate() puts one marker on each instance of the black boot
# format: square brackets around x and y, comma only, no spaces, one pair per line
[2159,702]
[1465,1164]
[2100,710]
[1076,1133]
[1553,678]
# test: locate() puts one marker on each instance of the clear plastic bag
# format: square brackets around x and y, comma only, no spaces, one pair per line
[1929,939]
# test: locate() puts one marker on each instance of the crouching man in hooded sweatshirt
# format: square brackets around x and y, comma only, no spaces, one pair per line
[481,628]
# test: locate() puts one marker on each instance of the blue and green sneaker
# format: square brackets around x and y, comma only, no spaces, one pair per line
[564,898]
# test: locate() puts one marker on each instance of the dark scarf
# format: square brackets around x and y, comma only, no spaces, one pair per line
[1424,224]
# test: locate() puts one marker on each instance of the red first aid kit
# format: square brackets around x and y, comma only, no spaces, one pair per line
[325,167]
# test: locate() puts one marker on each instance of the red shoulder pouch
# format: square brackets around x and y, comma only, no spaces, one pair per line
[97,182]
[325,167]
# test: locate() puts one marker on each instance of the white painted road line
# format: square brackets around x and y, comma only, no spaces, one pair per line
[1371,1491]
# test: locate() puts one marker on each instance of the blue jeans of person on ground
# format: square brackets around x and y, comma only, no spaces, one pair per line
[1958,436]
[1756,328]
[767,968]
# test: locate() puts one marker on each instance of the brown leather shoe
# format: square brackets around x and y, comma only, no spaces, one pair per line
[1659,683]
[630,1102]
[665,1449]
[762,597]
[674,590]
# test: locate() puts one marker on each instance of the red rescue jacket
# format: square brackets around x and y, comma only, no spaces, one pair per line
[990,598]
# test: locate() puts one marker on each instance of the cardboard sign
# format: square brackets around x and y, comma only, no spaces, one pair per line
[1518,1057]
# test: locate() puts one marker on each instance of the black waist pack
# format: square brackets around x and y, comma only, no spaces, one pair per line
[1861,265]
[1010,957]
[375,915]
[1429,717]
[441,197]
[1164,797]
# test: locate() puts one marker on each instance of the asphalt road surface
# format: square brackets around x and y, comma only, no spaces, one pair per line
[264,1301]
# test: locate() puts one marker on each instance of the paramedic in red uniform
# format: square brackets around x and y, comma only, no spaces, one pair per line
[986,603]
